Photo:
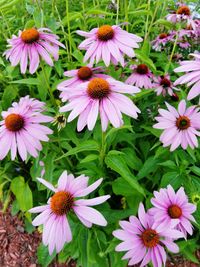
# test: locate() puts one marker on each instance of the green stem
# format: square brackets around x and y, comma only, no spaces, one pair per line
[172,54]
[63,31]
[117,17]
[126,12]
[48,86]
[147,20]
[103,149]
[68,27]
[152,20]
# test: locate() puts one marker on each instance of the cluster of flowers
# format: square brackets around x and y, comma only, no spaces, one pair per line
[190,32]
[144,238]
[96,91]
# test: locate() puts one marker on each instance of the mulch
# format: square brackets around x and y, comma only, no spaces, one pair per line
[18,248]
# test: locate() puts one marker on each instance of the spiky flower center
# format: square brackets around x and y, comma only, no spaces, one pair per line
[174,211]
[61,119]
[183,10]
[61,202]
[183,122]
[163,35]
[142,69]
[98,88]
[84,73]
[105,33]
[165,82]
[30,35]
[150,238]
[14,122]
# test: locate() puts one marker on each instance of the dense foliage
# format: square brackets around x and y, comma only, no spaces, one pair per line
[131,159]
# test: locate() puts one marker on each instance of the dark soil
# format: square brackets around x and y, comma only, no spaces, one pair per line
[18,248]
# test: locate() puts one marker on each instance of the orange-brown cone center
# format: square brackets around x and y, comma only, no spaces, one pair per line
[61,202]
[174,211]
[150,238]
[163,35]
[98,88]
[142,69]
[183,10]
[30,35]
[14,122]
[183,122]
[165,82]
[85,73]
[105,33]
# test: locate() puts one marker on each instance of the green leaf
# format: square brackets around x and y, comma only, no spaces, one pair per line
[188,249]
[169,163]
[165,23]
[29,81]
[121,187]
[22,193]
[43,256]
[172,178]
[195,170]
[118,164]
[150,165]
[89,145]
[155,132]
[140,12]
[97,12]
[89,158]
[9,94]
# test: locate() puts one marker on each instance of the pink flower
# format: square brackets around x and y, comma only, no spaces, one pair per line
[164,86]
[53,216]
[78,76]
[161,40]
[192,77]
[109,43]
[141,76]
[145,240]
[104,96]
[172,208]
[180,127]
[183,44]
[30,45]
[181,14]
[21,129]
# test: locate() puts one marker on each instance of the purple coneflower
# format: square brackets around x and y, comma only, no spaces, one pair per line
[108,43]
[172,208]
[182,13]
[180,127]
[141,76]
[145,240]
[183,43]
[78,76]
[21,129]
[161,40]
[164,86]
[53,216]
[30,45]
[104,96]
[192,77]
